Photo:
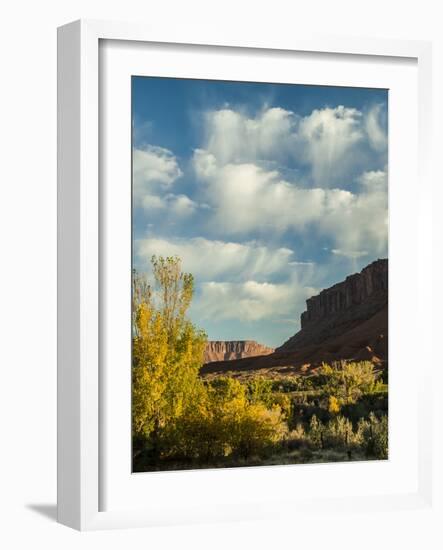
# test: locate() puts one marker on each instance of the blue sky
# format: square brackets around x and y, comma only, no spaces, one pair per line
[267,192]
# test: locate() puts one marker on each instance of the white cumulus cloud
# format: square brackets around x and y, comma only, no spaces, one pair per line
[251,300]
[235,137]
[152,166]
[169,204]
[360,227]
[376,128]
[211,259]
[246,198]
[329,140]
[332,141]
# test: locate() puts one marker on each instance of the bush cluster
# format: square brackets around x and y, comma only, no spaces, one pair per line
[368,437]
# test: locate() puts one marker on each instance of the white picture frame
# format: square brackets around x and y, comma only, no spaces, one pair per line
[80,395]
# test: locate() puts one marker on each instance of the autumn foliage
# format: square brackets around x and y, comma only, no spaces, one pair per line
[180,420]
[175,414]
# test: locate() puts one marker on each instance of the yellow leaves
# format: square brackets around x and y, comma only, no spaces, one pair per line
[143,315]
[333,405]
[172,407]
[167,349]
[347,381]
[255,427]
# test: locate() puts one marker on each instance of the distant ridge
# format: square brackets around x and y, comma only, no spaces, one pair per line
[217,350]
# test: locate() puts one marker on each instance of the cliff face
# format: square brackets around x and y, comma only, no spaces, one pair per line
[347,321]
[359,289]
[238,349]
[357,298]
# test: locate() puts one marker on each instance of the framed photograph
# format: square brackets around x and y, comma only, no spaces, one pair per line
[251,200]
[232,276]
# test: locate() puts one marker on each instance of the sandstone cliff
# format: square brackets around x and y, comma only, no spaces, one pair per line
[357,298]
[238,349]
[346,321]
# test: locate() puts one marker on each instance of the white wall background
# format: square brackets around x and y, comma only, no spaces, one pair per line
[28,272]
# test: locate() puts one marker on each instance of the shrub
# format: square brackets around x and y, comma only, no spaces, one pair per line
[256,430]
[339,433]
[347,382]
[333,405]
[260,390]
[296,438]
[229,425]
[288,384]
[316,432]
[375,436]
[284,402]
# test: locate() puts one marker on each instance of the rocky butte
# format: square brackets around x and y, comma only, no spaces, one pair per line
[346,321]
[342,306]
[237,349]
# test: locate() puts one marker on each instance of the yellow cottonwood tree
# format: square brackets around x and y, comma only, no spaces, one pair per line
[167,349]
[175,414]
